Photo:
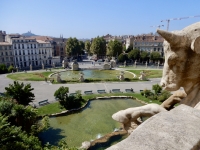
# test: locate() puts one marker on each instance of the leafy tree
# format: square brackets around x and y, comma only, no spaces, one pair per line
[122,57]
[20,92]
[73,47]
[3,69]
[134,54]
[82,45]
[87,46]
[114,48]
[155,56]
[157,88]
[13,137]
[130,47]
[11,68]
[98,46]
[68,102]
[144,55]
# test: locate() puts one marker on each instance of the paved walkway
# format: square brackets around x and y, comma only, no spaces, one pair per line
[45,90]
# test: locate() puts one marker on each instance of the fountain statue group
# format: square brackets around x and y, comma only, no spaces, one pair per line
[181,69]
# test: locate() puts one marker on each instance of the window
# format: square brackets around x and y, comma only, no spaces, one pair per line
[6,54]
[10,53]
[1,53]
[44,56]
[11,58]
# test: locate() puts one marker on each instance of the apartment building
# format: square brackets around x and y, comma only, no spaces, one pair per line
[45,52]
[149,42]
[6,54]
[28,51]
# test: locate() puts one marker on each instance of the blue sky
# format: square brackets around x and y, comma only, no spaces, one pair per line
[91,18]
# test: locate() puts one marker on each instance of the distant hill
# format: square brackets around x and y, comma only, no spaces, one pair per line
[27,34]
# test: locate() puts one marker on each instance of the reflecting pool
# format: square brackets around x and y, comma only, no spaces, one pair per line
[94,74]
[91,123]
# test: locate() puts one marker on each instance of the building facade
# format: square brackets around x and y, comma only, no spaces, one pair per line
[27,51]
[149,43]
[6,54]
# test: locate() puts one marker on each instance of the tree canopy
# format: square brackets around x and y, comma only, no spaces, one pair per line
[73,47]
[20,92]
[68,102]
[122,57]
[87,46]
[98,46]
[155,56]
[144,55]
[114,48]
[134,54]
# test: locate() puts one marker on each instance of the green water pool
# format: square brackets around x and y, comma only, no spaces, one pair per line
[88,124]
[94,74]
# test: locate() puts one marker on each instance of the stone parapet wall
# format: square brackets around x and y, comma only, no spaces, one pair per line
[178,129]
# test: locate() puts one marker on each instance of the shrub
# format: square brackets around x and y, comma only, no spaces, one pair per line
[157,88]
[164,95]
[68,102]
[148,93]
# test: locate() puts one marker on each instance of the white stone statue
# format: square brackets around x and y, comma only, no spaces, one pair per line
[42,65]
[53,65]
[30,67]
[121,77]
[181,69]
[158,64]
[125,63]
[65,63]
[81,79]
[59,80]
[142,76]
[146,64]
[136,64]
[113,62]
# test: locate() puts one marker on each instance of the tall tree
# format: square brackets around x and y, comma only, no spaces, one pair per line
[155,56]
[98,46]
[20,92]
[122,57]
[114,48]
[134,54]
[82,45]
[144,55]
[3,68]
[87,46]
[130,47]
[73,47]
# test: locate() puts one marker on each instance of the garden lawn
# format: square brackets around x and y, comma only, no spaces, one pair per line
[55,107]
[149,73]
[35,76]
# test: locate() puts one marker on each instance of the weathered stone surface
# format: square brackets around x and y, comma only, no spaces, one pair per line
[182,62]
[75,65]
[177,129]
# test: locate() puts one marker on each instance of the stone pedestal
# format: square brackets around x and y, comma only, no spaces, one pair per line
[106,66]
[59,80]
[75,65]
[177,129]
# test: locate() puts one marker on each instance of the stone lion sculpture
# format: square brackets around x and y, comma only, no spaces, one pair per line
[181,69]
